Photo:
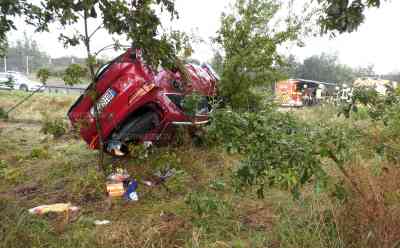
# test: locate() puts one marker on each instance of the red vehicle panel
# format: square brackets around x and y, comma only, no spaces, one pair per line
[136,104]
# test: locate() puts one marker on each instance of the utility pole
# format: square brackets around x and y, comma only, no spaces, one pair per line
[27,65]
[5,64]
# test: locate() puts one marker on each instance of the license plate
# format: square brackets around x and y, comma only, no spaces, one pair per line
[105,99]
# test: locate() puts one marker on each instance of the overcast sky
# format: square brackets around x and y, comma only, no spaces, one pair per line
[376,42]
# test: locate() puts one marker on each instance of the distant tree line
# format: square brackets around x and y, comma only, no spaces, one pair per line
[327,68]
[22,54]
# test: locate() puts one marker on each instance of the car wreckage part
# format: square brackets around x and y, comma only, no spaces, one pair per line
[132,131]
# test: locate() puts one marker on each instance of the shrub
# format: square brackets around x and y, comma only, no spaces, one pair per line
[43,74]
[56,127]
[73,74]
[3,114]
[88,186]
[206,204]
[39,153]
[3,167]
[277,149]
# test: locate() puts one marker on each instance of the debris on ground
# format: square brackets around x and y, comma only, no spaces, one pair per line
[54,208]
[120,183]
[162,176]
[115,189]
[102,222]
[26,191]
[148,183]
[159,178]
[131,194]
[120,175]
[116,183]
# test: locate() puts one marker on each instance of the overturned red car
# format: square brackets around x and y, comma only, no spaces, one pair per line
[139,105]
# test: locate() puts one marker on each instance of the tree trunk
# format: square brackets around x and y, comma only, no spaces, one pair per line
[90,65]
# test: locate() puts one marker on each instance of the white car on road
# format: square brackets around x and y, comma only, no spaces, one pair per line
[18,81]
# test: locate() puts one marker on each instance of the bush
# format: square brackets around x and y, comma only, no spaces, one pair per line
[277,149]
[89,186]
[206,204]
[43,74]
[56,127]
[3,114]
[39,153]
[3,168]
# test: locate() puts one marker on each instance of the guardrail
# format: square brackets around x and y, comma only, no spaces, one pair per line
[64,89]
[56,89]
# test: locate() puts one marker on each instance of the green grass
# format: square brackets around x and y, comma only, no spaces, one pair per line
[197,208]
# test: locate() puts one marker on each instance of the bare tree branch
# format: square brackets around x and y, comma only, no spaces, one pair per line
[95,31]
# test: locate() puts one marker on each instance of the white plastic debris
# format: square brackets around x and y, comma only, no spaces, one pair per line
[102,222]
[56,208]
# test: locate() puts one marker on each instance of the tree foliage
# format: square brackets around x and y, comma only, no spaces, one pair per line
[137,19]
[279,150]
[344,15]
[43,74]
[249,41]
[8,10]
[381,109]
[324,67]
[74,74]
[217,63]
[377,105]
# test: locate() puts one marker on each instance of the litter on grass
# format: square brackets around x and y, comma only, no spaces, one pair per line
[55,208]
[163,176]
[131,194]
[148,183]
[116,183]
[102,222]
[119,184]
[119,176]
[115,189]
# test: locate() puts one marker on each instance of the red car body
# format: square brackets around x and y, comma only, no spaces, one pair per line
[129,89]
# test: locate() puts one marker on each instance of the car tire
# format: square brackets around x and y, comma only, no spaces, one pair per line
[134,129]
[23,87]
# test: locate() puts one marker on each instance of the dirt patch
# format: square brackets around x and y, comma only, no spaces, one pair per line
[171,224]
[27,192]
[260,219]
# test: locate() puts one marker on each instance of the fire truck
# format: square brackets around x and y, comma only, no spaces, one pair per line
[302,92]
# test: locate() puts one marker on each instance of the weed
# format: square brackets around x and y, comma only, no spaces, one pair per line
[56,127]
[138,152]
[206,204]
[40,153]
[20,229]
[164,159]
[310,225]
[13,175]
[3,167]
[88,186]
[217,184]
[3,114]
[178,183]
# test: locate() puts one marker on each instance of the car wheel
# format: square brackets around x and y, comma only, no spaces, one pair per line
[23,87]
[132,131]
